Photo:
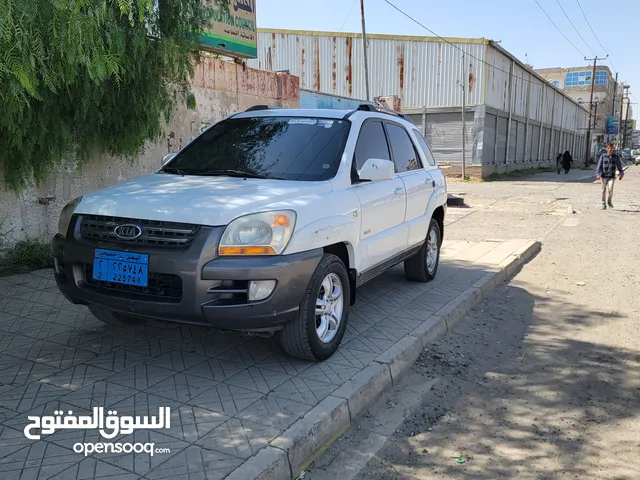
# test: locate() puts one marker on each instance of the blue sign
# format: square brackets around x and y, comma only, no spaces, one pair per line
[612,125]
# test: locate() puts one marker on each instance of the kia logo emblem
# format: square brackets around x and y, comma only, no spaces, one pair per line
[127,231]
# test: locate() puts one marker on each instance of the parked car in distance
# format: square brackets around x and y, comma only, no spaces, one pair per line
[635,155]
[266,222]
[625,155]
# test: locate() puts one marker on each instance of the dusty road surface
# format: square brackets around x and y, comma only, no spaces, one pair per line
[542,381]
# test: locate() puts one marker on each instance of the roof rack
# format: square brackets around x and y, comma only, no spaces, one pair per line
[261,107]
[370,107]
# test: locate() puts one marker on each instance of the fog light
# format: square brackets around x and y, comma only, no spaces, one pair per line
[260,289]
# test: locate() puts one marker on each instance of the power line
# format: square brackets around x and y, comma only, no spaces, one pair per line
[348,15]
[456,46]
[559,30]
[445,40]
[574,27]
[595,36]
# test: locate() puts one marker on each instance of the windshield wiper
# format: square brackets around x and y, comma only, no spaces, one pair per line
[174,170]
[232,173]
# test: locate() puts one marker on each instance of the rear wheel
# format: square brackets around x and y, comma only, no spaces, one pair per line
[317,331]
[423,266]
[114,318]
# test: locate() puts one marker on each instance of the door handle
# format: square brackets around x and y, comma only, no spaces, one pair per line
[398,190]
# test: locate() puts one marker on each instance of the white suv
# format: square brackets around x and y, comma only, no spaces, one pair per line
[266,222]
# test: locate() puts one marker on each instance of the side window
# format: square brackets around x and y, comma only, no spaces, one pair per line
[404,153]
[425,148]
[372,143]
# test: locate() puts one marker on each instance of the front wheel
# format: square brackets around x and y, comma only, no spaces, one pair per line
[423,266]
[317,331]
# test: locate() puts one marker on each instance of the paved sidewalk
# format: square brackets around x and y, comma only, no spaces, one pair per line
[230,395]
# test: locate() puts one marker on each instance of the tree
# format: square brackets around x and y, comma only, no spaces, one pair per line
[79,77]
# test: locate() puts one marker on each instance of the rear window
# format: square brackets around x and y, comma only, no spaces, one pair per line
[280,148]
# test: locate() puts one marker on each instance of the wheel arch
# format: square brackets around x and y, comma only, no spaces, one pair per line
[344,251]
[438,216]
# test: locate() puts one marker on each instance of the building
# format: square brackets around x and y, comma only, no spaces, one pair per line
[513,117]
[576,82]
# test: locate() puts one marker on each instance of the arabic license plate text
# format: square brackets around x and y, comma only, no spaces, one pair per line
[121,267]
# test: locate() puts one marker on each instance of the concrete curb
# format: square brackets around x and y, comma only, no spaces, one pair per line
[309,437]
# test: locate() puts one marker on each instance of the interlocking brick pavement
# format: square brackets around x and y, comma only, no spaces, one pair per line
[230,395]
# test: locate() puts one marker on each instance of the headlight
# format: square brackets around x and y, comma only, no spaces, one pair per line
[258,234]
[66,214]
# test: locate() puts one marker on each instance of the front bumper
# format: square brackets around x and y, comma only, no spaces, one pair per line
[188,284]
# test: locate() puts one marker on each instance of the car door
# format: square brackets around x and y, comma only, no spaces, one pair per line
[439,181]
[383,204]
[417,182]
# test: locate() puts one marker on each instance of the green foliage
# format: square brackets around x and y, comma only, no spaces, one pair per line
[84,76]
[26,255]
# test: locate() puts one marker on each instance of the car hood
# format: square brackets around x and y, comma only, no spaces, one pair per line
[213,200]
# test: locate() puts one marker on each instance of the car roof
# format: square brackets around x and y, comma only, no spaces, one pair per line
[294,112]
[338,114]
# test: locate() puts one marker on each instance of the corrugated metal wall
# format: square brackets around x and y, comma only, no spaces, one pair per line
[421,72]
[530,97]
[425,71]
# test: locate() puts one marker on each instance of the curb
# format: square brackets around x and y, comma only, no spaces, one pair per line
[308,438]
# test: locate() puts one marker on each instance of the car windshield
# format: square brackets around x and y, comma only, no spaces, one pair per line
[279,148]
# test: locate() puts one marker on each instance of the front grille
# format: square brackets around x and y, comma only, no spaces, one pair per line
[163,287]
[154,233]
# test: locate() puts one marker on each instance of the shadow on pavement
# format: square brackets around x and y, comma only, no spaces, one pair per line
[519,398]
[574,176]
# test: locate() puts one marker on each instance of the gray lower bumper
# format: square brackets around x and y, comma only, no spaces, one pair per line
[190,285]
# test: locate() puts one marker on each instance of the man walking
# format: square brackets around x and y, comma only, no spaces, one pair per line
[606,171]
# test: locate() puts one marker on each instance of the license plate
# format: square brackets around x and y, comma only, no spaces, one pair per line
[121,267]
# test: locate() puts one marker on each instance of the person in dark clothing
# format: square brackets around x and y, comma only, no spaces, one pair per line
[559,162]
[608,163]
[567,160]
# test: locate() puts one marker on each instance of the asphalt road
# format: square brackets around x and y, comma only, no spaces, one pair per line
[542,381]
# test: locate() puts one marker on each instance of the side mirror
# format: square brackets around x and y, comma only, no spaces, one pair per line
[377,170]
[167,158]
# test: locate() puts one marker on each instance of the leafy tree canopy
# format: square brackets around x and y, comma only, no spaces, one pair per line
[85,76]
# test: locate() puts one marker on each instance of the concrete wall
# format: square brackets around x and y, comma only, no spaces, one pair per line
[221,88]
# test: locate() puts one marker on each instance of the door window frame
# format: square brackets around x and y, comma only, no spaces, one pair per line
[355,179]
[428,154]
[416,151]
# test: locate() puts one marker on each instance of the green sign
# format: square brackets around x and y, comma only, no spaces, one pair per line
[232,32]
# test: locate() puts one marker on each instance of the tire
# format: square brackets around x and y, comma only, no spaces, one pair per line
[417,268]
[114,318]
[301,338]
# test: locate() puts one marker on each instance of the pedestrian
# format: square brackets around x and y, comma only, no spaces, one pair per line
[567,160]
[559,162]
[606,171]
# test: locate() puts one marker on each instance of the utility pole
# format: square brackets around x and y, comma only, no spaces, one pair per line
[613,110]
[463,84]
[615,94]
[620,121]
[593,81]
[595,116]
[626,119]
[364,49]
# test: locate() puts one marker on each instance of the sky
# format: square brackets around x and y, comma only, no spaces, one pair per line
[521,25]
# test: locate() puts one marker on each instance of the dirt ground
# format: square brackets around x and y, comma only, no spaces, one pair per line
[542,381]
